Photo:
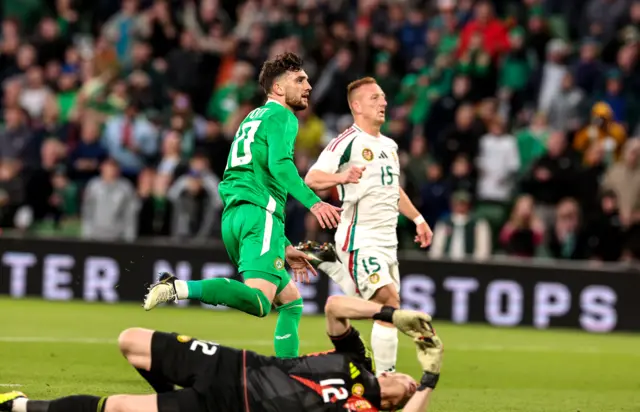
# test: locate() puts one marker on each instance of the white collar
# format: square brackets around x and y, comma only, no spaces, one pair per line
[359,129]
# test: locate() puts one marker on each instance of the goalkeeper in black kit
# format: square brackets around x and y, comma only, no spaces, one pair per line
[217,378]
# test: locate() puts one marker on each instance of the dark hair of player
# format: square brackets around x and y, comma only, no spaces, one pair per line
[354,85]
[272,69]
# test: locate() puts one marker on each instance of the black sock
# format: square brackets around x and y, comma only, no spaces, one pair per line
[159,384]
[38,406]
[78,403]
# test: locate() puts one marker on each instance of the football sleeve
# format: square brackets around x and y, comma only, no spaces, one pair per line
[281,137]
[327,162]
[330,158]
[352,344]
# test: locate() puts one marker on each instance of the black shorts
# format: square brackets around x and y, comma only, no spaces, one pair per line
[210,374]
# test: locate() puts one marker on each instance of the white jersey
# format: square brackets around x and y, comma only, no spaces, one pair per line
[370,208]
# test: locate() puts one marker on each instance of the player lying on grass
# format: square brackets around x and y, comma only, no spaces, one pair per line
[218,378]
[260,173]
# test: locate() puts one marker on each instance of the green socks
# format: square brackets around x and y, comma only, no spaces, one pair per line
[237,295]
[286,340]
[231,293]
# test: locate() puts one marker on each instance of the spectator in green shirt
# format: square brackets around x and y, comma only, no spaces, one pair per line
[532,142]
[68,93]
[228,97]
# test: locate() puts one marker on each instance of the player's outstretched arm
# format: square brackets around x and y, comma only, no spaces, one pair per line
[339,309]
[430,349]
[281,165]
[281,137]
[419,401]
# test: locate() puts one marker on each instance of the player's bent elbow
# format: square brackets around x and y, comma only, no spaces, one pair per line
[308,180]
[311,180]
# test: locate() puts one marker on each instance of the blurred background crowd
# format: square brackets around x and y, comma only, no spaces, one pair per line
[515,118]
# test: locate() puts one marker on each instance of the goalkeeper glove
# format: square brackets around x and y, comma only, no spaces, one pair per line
[430,350]
[428,345]
[410,322]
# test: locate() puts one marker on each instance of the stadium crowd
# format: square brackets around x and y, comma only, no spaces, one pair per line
[515,119]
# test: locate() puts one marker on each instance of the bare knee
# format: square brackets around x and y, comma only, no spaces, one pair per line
[131,403]
[289,294]
[131,339]
[117,403]
[388,296]
[135,345]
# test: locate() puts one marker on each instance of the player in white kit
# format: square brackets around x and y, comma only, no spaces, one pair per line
[364,166]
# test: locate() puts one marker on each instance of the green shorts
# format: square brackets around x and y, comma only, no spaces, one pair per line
[255,242]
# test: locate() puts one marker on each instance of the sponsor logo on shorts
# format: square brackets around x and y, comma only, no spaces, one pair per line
[184,338]
[374,278]
[278,264]
[357,389]
[367,154]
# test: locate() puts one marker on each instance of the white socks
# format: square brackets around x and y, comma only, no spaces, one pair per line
[384,342]
[340,275]
[19,405]
[182,289]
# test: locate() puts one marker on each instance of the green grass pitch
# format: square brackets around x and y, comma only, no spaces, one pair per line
[54,349]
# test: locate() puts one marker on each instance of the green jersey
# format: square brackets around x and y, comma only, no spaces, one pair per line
[260,167]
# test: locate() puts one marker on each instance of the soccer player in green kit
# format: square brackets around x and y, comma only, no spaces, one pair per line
[260,173]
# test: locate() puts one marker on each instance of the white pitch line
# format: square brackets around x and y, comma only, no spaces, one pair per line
[10,385]
[405,345]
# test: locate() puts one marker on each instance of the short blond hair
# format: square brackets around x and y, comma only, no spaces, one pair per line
[356,84]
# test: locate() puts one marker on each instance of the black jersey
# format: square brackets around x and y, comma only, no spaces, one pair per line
[339,380]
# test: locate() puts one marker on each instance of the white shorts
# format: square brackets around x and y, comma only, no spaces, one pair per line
[370,269]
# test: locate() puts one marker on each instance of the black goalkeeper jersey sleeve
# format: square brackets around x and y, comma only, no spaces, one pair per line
[339,380]
[351,344]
